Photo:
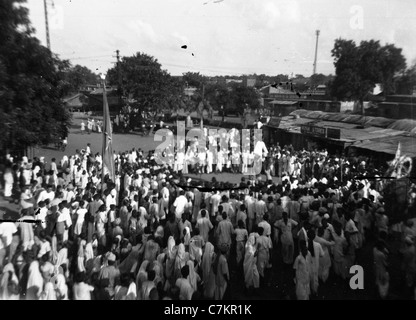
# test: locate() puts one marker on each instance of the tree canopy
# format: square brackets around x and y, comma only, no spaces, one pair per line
[360,68]
[216,93]
[144,80]
[406,83]
[79,76]
[32,84]
[194,79]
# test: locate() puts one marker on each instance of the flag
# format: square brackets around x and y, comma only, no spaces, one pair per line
[108,157]
[398,152]
[393,164]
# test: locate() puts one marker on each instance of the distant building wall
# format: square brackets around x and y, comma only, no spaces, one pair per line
[396,110]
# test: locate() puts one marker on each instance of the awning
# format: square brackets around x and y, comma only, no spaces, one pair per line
[283,103]
[389,145]
[274,122]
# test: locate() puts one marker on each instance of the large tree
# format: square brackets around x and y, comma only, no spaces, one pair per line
[32,84]
[406,83]
[152,89]
[243,96]
[392,63]
[194,79]
[79,76]
[360,68]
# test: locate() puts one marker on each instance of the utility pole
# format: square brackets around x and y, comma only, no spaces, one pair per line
[48,41]
[120,90]
[201,122]
[316,52]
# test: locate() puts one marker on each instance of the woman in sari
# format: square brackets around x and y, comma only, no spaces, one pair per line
[195,247]
[193,277]
[159,270]
[170,263]
[207,271]
[9,284]
[251,273]
[181,259]
[221,271]
[34,282]
[141,276]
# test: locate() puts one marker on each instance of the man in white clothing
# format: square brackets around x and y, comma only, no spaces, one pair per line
[179,204]
[215,202]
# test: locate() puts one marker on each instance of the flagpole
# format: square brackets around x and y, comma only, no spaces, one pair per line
[104,131]
[107,150]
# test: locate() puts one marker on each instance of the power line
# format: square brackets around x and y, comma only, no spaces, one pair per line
[90,57]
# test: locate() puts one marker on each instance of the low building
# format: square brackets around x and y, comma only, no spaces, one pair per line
[251,83]
[95,100]
[393,106]
[230,81]
[282,108]
[341,133]
[76,102]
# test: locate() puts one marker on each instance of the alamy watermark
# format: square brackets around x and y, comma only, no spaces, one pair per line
[56,17]
[221,142]
[357,19]
[357,280]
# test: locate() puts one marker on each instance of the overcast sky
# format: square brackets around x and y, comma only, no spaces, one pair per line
[229,37]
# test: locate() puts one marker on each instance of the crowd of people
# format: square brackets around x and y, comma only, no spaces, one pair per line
[92,125]
[152,233]
[214,152]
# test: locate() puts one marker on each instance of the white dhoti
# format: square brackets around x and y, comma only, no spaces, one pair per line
[8,187]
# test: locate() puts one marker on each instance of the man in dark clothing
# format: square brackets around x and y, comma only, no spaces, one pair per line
[172,228]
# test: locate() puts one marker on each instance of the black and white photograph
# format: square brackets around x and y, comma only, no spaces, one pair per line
[225,151]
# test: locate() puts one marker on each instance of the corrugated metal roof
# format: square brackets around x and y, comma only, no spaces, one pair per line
[402,124]
[389,145]
[405,125]
[290,103]
[349,131]
[289,122]
[368,134]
